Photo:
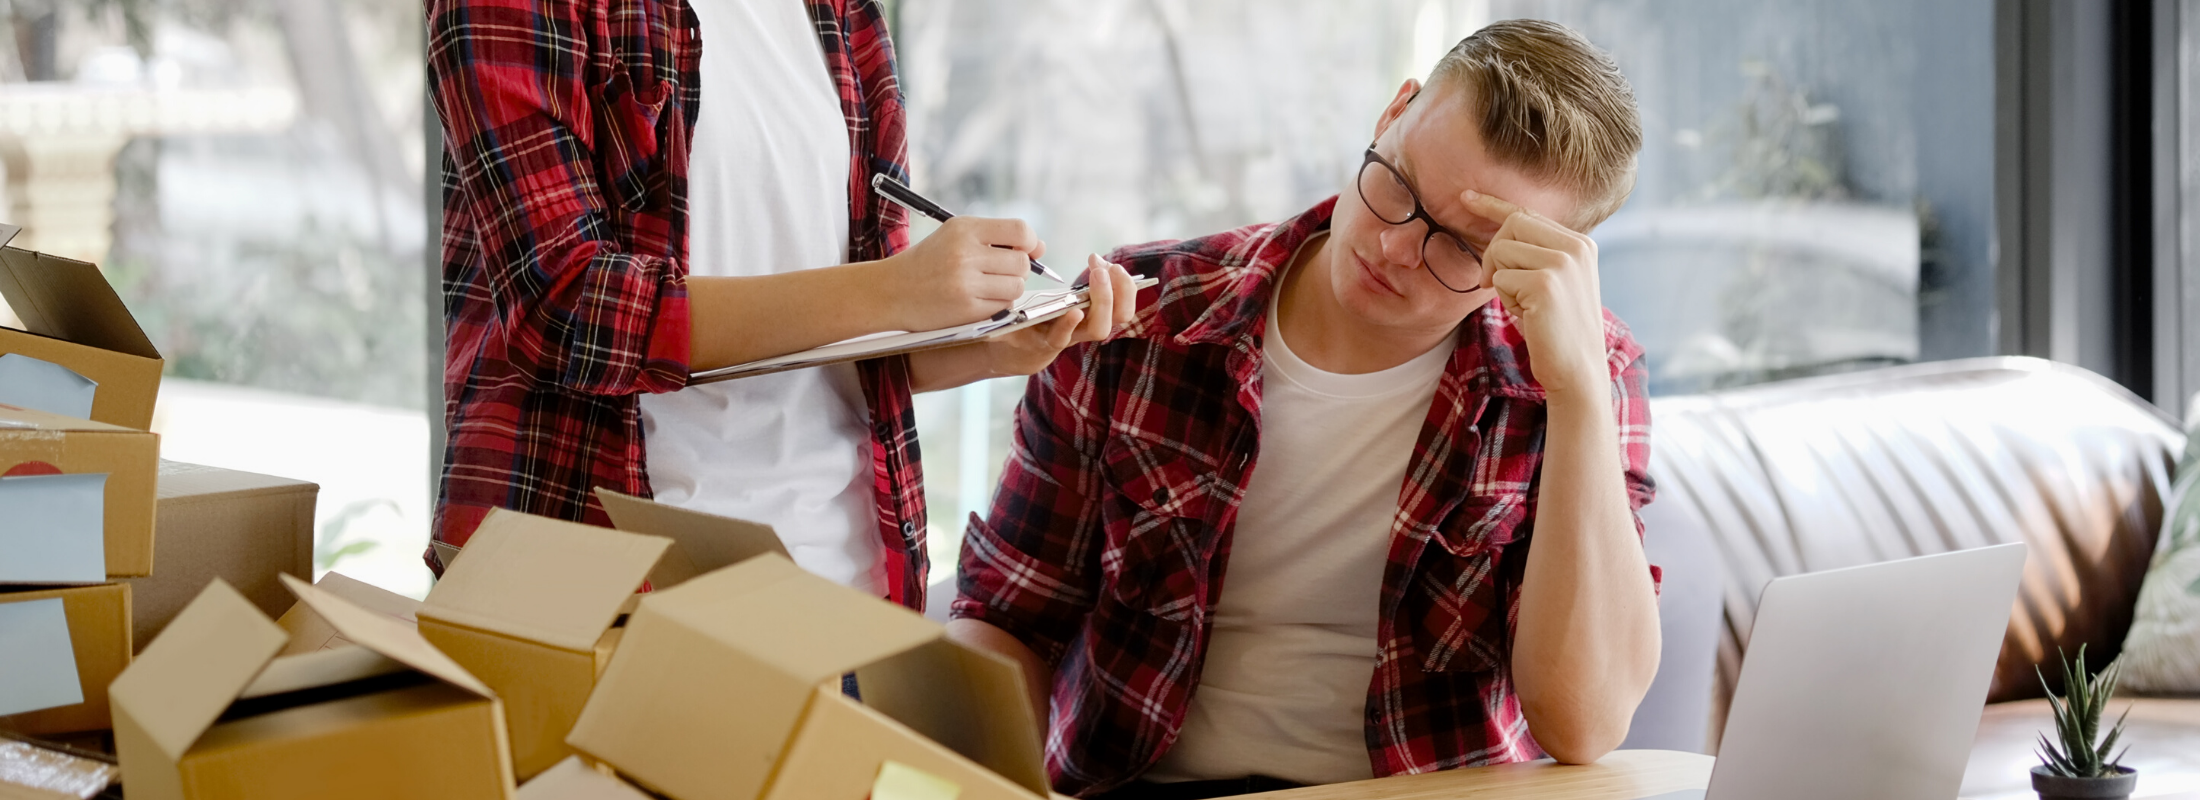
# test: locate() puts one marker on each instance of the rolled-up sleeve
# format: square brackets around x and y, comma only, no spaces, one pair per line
[1031,567]
[549,138]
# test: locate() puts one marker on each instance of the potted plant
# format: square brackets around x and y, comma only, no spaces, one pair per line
[2076,762]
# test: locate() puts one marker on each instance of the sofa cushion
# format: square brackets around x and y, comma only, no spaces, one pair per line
[2162,654]
[1821,473]
[2164,735]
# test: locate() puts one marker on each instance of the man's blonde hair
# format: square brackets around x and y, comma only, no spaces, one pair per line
[1552,105]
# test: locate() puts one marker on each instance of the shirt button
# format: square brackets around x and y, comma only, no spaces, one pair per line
[1161,496]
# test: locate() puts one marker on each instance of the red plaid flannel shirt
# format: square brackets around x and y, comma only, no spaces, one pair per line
[566,126]
[1106,546]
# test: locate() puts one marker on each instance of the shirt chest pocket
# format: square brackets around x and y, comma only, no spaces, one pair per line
[1160,521]
[1463,600]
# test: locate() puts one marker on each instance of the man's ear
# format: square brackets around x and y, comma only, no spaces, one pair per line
[1397,107]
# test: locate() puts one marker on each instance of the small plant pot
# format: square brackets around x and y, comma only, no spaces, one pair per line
[2056,787]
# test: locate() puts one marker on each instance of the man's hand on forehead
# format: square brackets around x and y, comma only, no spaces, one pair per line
[1546,275]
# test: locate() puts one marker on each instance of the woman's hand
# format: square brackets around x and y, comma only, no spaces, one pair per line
[1113,302]
[969,269]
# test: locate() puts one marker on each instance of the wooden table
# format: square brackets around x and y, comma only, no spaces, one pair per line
[1621,775]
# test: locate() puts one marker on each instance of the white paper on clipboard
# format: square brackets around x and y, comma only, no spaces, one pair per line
[1033,308]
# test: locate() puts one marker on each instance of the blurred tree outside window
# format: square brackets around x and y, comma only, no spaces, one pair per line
[248,173]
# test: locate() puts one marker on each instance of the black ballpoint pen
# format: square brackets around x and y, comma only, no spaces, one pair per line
[901,193]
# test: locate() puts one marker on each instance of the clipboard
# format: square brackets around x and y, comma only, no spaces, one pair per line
[1033,308]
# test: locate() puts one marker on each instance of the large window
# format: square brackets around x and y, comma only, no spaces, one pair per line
[1815,193]
[1818,191]
[248,173]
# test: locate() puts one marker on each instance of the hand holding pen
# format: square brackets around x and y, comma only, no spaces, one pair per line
[900,192]
[970,269]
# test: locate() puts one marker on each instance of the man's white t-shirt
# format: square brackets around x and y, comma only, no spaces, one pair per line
[768,193]
[1283,692]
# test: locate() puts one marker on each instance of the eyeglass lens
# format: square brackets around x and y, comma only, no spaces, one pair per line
[1387,195]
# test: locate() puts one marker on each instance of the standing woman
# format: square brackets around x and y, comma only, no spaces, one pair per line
[638,189]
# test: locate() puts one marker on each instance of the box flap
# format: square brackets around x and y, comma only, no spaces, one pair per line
[971,701]
[445,552]
[701,542]
[18,417]
[185,678]
[69,300]
[323,668]
[386,636]
[545,580]
[573,780]
[369,596]
[805,626]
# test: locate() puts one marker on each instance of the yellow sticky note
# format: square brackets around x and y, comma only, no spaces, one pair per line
[899,781]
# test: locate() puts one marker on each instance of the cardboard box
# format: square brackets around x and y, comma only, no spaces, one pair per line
[99,641]
[73,318]
[310,633]
[209,711]
[700,542]
[241,527]
[530,609]
[34,444]
[725,689]
[573,780]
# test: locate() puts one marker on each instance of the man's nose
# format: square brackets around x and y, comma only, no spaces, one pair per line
[1402,244]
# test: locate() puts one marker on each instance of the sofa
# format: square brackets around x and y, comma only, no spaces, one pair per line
[1835,471]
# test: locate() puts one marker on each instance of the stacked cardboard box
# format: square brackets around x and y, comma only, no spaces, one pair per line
[76,489]
[91,509]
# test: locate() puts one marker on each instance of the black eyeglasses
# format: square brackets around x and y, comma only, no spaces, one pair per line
[1448,256]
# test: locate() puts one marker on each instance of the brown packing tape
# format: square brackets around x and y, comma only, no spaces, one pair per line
[99,633]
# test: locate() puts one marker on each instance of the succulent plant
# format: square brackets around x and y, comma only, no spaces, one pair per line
[2073,752]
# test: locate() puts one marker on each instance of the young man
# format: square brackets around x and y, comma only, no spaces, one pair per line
[1357,415]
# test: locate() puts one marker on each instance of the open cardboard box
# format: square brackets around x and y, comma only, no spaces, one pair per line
[35,445]
[241,527]
[726,688]
[531,609]
[99,645]
[73,318]
[700,542]
[311,633]
[210,712]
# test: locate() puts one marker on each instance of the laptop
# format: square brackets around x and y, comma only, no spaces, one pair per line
[1866,681]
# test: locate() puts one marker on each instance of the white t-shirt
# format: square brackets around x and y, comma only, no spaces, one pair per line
[768,193]
[1283,692]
